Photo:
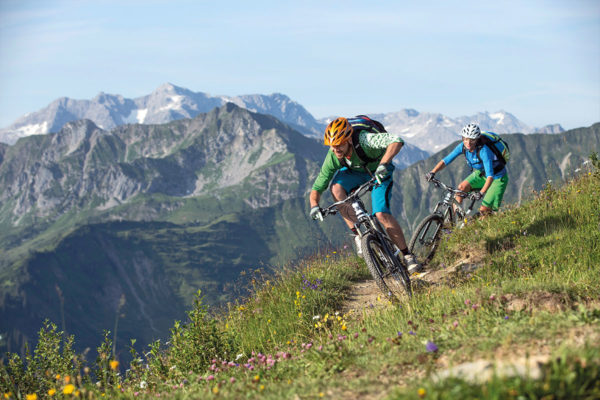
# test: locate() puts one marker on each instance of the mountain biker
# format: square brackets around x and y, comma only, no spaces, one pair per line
[347,170]
[490,185]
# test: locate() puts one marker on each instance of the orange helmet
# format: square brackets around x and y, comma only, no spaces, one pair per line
[338,131]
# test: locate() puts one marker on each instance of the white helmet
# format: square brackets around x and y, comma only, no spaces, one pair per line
[471,131]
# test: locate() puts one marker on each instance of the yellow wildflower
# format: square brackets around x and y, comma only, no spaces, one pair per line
[70,388]
[57,376]
[114,364]
[7,395]
[344,327]
[215,390]
[300,314]
[67,379]
[51,392]
[32,396]
[262,387]
[421,392]
[256,378]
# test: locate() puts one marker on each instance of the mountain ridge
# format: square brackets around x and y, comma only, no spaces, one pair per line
[426,131]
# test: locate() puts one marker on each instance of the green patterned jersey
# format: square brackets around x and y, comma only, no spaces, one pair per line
[374,146]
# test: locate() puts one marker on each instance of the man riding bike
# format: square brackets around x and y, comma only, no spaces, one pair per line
[489,174]
[342,158]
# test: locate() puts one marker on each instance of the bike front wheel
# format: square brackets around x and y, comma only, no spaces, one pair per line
[390,275]
[426,238]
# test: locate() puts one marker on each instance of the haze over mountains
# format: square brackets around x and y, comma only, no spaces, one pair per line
[426,131]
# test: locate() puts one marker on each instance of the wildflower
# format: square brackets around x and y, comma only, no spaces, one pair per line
[316,317]
[215,389]
[455,324]
[232,379]
[411,333]
[69,389]
[262,387]
[210,377]
[421,392]
[7,395]
[143,385]
[256,378]
[467,302]
[431,347]
[344,327]
[51,392]
[506,317]
[114,364]
[399,334]
[32,396]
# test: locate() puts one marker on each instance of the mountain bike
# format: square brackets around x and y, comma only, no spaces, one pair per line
[425,240]
[382,256]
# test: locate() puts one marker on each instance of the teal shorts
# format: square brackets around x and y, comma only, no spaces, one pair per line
[380,195]
[494,194]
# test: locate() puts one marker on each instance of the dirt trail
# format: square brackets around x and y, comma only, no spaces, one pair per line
[365,295]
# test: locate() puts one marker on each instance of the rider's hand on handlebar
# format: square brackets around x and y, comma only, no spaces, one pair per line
[477,195]
[316,214]
[429,176]
[382,171]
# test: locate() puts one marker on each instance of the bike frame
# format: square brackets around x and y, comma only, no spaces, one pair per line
[366,223]
[444,208]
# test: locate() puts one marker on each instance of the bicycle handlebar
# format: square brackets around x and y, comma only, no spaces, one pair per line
[362,189]
[450,189]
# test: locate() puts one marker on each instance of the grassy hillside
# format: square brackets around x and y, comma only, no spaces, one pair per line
[517,294]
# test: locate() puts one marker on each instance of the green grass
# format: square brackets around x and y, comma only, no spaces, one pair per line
[535,292]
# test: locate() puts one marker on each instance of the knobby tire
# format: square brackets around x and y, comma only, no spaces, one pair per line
[380,265]
[426,238]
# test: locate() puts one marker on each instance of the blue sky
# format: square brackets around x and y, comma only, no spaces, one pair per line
[538,59]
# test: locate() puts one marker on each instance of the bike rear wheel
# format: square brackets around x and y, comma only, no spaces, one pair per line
[426,238]
[390,275]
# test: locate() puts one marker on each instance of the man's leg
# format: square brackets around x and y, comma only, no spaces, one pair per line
[339,193]
[493,197]
[380,197]
[344,181]
[393,229]
[465,186]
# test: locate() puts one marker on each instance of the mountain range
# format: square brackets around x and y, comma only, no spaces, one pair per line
[96,223]
[427,132]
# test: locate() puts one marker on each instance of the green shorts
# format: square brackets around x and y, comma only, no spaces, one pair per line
[494,194]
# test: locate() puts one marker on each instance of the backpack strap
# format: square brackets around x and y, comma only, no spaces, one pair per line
[490,145]
[358,148]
